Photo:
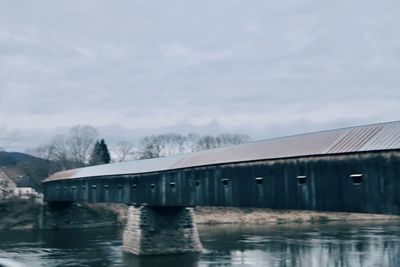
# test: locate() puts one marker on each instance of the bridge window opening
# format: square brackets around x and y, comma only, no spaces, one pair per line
[120,186]
[65,188]
[94,186]
[134,186]
[357,178]
[259,180]
[152,186]
[196,183]
[74,187]
[301,179]
[106,186]
[83,187]
[172,185]
[57,188]
[225,182]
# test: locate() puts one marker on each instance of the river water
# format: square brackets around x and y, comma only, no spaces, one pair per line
[331,244]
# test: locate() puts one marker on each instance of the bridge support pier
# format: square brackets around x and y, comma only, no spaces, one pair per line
[160,230]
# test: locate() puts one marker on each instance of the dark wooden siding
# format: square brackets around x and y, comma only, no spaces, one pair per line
[327,185]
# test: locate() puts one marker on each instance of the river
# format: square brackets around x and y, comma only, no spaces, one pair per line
[330,244]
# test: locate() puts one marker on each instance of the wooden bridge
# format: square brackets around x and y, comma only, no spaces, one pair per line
[352,169]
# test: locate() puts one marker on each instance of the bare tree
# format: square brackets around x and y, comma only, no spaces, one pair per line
[210,142]
[72,150]
[42,165]
[171,144]
[59,151]
[43,152]
[124,151]
[191,142]
[231,139]
[80,143]
[151,147]
[205,142]
[163,145]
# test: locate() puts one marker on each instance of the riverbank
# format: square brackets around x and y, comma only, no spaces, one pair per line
[19,214]
[83,215]
[24,214]
[230,215]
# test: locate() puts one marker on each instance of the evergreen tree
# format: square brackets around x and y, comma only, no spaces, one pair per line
[104,153]
[95,156]
[100,154]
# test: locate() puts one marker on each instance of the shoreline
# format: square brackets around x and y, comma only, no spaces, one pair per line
[231,215]
[25,215]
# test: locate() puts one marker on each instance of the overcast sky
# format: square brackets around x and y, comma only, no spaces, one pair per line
[266,68]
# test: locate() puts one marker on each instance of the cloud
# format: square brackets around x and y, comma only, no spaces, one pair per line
[234,65]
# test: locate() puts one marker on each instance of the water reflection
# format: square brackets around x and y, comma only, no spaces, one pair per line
[333,244]
[189,260]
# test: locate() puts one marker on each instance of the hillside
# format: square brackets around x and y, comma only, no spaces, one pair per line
[9,159]
[24,169]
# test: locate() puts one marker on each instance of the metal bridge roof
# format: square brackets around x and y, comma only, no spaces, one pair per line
[382,136]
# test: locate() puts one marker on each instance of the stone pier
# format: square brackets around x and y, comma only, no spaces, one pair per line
[160,230]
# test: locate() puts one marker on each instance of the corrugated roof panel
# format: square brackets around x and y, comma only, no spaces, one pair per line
[387,138]
[395,142]
[355,139]
[320,142]
[332,140]
[362,138]
[391,139]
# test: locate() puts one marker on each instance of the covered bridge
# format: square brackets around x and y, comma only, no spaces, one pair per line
[351,169]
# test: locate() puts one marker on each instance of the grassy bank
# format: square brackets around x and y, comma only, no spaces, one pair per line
[221,215]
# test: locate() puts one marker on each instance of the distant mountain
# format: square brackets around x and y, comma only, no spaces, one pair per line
[24,169]
[9,159]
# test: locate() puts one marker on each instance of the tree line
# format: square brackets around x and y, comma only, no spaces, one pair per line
[163,145]
[81,147]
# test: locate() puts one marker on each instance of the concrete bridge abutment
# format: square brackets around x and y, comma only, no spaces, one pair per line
[160,230]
